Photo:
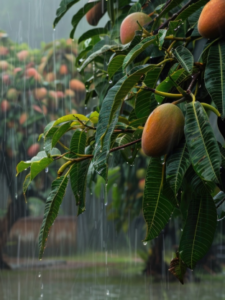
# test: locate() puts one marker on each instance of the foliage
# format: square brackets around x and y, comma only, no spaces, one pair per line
[128,81]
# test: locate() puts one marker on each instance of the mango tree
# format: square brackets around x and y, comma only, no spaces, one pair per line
[142,59]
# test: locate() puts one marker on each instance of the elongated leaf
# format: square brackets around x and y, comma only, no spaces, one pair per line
[79,15]
[176,166]
[202,145]
[98,53]
[109,116]
[26,183]
[115,64]
[161,37]
[72,117]
[145,102]
[64,6]
[199,229]
[215,75]
[138,49]
[52,205]
[157,207]
[191,9]
[79,171]
[59,133]
[90,33]
[222,152]
[185,58]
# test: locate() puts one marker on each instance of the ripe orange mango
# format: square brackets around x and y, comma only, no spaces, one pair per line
[163,130]
[211,23]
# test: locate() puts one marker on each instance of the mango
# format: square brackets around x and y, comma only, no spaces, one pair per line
[95,13]
[129,26]
[163,130]
[77,85]
[211,23]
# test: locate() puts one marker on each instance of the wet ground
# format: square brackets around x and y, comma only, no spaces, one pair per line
[95,279]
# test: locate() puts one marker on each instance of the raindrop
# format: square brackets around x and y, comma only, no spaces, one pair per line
[39,275]
[46,170]
[107,292]
[16,196]
[145,243]
[85,107]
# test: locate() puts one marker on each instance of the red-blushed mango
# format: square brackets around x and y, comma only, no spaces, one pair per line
[3,51]
[141,184]
[23,118]
[6,79]
[63,70]
[16,70]
[23,55]
[60,94]
[129,26]
[37,109]
[40,93]
[69,93]
[163,130]
[5,106]
[211,23]
[77,85]
[33,149]
[32,72]
[95,13]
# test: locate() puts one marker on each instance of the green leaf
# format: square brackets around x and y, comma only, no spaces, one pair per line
[79,15]
[184,57]
[167,84]
[178,268]
[145,102]
[52,206]
[98,53]
[64,6]
[161,37]
[191,9]
[109,116]
[215,75]
[199,229]
[177,164]
[92,32]
[79,171]
[138,49]
[26,183]
[72,117]
[157,206]
[222,152]
[115,64]
[202,145]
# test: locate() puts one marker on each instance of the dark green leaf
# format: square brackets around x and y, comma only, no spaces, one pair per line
[157,206]
[202,145]
[52,206]
[64,6]
[215,75]
[115,64]
[92,32]
[184,57]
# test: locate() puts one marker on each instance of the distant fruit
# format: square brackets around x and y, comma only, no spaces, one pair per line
[211,23]
[63,70]
[3,65]
[163,130]
[37,108]
[60,94]
[5,106]
[32,72]
[52,94]
[6,79]
[23,118]
[16,70]
[3,51]
[23,55]
[12,94]
[40,93]
[77,85]
[33,149]
[95,13]
[141,184]
[141,173]
[129,26]
[69,93]
[50,77]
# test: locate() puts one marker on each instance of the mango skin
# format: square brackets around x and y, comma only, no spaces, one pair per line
[129,26]
[95,13]
[163,130]
[211,23]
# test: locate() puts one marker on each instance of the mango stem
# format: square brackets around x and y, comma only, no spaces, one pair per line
[213,109]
